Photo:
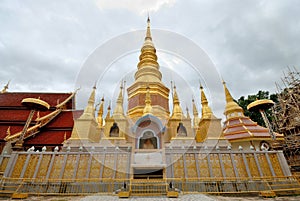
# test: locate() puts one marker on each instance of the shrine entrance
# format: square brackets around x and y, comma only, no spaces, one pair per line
[148,131]
[148,173]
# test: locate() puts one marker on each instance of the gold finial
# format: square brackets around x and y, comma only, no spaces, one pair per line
[175,96]
[231,106]
[4,90]
[148,67]
[119,112]
[8,131]
[100,113]
[227,93]
[195,110]
[92,96]
[120,97]
[187,113]
[195,114]
[148,34]
[108,111]
[206,111]
[148,107]
[89,111]
[177,111]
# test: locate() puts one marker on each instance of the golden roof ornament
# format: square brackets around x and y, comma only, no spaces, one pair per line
[4,90]
[119,112]
[195,114]
[177,111]
[148,67]
[89,111]
[232,109]
[108,111]
[187,113]
[65,136]
[148,107]
[206,111]
[100,113]
[148,33]
[8,133]
[195,110]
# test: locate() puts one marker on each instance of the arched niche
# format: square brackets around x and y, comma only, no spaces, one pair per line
[114,130]
[181,130]
[148,132]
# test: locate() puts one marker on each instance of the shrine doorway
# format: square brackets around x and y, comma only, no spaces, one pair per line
[148,173]
[148,131]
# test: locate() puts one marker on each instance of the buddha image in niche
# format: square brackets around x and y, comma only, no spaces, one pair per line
[148,141]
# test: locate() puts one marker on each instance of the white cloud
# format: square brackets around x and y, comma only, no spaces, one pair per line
[140,7]
[44,43]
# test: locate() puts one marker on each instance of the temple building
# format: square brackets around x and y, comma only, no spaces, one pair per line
[146,150]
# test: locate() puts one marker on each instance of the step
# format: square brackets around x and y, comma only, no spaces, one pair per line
[148,187]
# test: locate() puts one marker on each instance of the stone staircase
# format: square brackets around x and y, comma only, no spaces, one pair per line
[148,187]
[289,186]
[7,189]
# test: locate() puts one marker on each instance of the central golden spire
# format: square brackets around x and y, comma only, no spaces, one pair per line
[148,67]
[148,75]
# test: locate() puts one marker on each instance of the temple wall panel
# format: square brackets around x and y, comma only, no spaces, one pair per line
[121,167]
[178,166]
[252,165]
[69,167]
[43,169]
[108,171]
[203,164]
[31,166]
[19,163]
[215,165]
[228,166]
[96,165]
[240,165]
[57,166]
[82,166]
[191,166]
[276,164]
[264,165]
[188,164]
[4,163]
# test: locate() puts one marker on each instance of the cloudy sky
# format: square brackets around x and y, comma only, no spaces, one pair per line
[44,44]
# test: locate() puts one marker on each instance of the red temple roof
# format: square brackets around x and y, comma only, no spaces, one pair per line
[243,127]
[13,115]
[13,99]
[49,138]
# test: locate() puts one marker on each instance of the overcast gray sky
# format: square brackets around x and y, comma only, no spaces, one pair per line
[43,44]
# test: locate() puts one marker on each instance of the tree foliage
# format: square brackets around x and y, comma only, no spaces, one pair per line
[255,115]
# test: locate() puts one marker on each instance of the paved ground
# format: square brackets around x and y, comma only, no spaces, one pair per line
[190,197]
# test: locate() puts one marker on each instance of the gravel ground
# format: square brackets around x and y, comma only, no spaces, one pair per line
[189,197]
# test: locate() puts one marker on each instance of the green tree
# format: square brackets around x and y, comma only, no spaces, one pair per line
[255,115]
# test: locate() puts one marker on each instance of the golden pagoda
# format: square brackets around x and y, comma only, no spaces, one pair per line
[148,75]
[147,150]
